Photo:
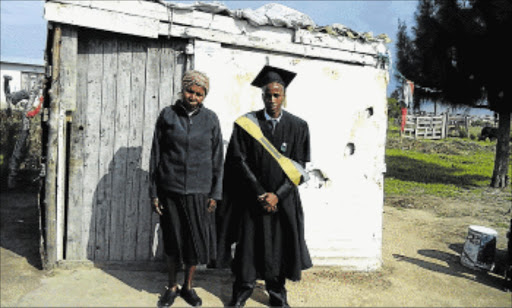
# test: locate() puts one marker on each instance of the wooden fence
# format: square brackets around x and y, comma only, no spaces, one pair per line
[434,127]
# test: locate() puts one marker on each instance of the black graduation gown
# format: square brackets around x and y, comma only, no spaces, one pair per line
[268,244]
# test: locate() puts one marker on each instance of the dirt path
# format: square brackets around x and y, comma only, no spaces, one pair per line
[421,268]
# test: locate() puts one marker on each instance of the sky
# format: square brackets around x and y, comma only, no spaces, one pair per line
[23,27]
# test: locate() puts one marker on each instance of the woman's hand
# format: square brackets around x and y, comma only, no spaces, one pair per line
[212,205]
[157,207]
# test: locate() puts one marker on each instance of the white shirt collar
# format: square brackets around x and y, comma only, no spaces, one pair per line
[269,118]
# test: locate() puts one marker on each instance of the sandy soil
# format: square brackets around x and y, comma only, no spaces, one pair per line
[423,238]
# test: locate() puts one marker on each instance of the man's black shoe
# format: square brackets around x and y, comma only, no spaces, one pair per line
[279,304]
[278,299]
[235,304]
[190,296]
[168,298]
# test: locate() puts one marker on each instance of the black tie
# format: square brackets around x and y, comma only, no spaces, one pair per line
[273,123]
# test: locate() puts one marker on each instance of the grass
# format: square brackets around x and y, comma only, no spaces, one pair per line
[412,172]
[449,178]
[443,168]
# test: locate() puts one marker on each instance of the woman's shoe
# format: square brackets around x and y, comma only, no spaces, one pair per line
[190,296]
[168,298]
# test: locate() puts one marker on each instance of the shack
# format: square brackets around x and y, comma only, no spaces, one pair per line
[114,65]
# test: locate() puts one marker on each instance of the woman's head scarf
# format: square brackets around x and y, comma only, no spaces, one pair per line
[198,78]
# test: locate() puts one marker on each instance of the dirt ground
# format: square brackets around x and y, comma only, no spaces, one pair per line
[423,238]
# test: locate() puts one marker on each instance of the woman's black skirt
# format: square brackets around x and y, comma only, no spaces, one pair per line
[188,228]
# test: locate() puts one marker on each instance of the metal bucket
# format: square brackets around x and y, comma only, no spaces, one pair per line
[479,248]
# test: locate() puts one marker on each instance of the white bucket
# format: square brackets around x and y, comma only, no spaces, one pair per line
[479,248]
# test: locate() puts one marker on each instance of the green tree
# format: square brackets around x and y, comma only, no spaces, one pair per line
[463,49]
[394,106]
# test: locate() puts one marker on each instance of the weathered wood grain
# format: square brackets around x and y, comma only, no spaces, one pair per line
[92,145]
[134,171]
[121,86]
[106,148]
[51,159]
[180,60]
[151,109]
[121,128]
[76,248]
[167,66]
[67,99]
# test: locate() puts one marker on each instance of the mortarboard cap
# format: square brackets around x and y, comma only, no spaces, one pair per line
[273,74]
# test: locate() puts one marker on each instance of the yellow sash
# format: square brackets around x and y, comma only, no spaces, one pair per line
[292,169]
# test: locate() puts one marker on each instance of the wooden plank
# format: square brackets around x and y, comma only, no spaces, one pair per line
[101,19]
[180,61]
[75,247]
[92,145]
[133,171]
[106,148]
[68,69]
[51,159]
[121,128]
[151,110]
[167,67]
[67,91]
[61,180]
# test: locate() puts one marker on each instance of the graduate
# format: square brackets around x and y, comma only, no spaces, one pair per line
[263,212]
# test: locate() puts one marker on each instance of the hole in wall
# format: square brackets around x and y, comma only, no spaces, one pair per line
[317,179]
[350,148]
[369,112]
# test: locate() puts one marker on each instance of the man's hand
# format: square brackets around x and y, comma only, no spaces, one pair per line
[157,207]
[269,202]
[212,205]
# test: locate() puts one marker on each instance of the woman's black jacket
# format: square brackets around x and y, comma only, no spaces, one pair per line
[187,153]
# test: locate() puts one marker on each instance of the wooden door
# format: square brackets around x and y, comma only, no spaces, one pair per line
[122,84]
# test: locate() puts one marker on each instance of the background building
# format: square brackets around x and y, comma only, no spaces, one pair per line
[25,73]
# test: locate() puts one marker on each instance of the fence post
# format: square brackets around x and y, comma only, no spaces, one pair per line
[445,124]
[416,127]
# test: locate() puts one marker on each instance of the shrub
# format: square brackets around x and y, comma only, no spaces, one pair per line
[29,168]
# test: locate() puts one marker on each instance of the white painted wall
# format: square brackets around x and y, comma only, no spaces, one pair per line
[344,218]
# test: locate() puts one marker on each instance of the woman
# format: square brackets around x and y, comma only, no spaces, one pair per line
[186,183]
